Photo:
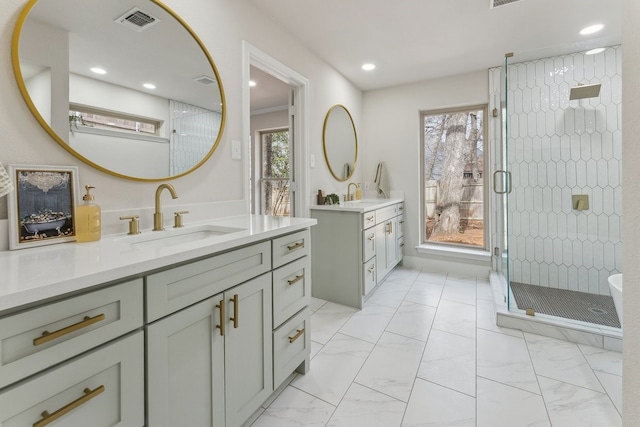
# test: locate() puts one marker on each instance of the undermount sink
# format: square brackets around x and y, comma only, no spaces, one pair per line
[178,236]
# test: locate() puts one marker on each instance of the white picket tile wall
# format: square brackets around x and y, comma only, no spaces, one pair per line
[558,148]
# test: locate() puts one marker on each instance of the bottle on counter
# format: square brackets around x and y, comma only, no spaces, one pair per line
[358,192]
[88,217]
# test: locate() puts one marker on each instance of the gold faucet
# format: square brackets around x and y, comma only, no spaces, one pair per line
[157,216]
[349,195]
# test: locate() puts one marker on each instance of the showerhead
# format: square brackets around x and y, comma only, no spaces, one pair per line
[584,91]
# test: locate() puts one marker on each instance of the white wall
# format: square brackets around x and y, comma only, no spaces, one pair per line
[391,131]
[631,207]
[222,26]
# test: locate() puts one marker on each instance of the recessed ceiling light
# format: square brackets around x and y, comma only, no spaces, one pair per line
[252,83]
[591,29]
[368,67]
[149,86]
[98,70]
[594,51]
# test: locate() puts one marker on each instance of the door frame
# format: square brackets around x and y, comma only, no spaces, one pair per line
[252,56]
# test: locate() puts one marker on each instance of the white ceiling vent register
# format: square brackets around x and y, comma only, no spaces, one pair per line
[205,80]
[498,3]
[137,20]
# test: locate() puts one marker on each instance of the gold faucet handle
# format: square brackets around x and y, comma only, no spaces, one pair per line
[177,219]
[134,223]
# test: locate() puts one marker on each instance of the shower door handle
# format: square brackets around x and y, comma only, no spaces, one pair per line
[507,175]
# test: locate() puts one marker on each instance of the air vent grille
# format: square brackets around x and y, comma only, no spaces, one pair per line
[498,3]
[205,80]
[137,20]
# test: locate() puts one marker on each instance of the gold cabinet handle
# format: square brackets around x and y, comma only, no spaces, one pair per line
[389,227]
[49,336]
[295,279]
[298,334]
[48,418]
[371,269]
[236,300]
[296,246]
[370,218]
[371,237]
[221,306]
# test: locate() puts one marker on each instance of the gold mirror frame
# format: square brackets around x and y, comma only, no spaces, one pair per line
[331,141]
[15,58]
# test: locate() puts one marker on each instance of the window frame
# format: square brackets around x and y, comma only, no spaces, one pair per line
[449,246]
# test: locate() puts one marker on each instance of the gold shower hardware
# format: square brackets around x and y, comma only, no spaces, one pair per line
[298,334]
[134,223]
[49,336]
[223,317]
[48,418]
[580,202]
[295,279]
[236,301]
[296,246]
[177,219]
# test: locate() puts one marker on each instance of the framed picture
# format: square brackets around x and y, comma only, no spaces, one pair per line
[42,208]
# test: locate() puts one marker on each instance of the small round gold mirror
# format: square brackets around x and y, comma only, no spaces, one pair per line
[340,142]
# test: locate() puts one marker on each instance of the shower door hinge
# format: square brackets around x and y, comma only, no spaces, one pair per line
[496,251]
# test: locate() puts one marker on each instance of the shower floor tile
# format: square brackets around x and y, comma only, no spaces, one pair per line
[598,309]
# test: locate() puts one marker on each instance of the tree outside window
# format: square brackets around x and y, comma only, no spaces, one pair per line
[275,173]
[454,188]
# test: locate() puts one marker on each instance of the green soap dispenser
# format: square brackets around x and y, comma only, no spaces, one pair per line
[88,227]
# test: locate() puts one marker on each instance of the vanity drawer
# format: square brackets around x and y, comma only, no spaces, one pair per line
[291,289]
[386,214]
[291,345]
[368,244]
[400,225]
[169,291]
[102,388]
[369,275]
[291,247]
[35,339]
[368,219]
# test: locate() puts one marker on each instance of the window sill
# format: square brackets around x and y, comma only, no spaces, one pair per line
[455,252]
[120,134]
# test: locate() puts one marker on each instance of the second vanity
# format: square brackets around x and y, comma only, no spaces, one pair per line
[355,246]
[155,329]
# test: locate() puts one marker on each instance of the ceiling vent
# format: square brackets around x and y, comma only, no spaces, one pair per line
[205,80]
[137,20]
[498,3]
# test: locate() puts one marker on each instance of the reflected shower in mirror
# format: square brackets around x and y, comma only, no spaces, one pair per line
[125,86]
[340,142]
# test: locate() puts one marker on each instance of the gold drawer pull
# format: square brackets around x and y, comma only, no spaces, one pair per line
[296,336]
[48,418]
[370,218]
[373,236]
[295,279]
[221,306]
[49,336]
[296,246]
[236,300]
[371,269]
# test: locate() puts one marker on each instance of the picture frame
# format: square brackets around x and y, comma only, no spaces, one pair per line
[42,209]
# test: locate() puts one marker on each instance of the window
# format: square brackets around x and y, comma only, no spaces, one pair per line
[96,118]
[275,172]
[454,193]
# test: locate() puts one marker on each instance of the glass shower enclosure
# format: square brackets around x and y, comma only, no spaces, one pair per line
[557,158]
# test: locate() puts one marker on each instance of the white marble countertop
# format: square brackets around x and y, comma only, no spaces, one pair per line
[364,205]
[35,274]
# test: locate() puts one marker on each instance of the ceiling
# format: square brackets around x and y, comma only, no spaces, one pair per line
[414,40]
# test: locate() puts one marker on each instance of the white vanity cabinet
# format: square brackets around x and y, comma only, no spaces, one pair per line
[354,249]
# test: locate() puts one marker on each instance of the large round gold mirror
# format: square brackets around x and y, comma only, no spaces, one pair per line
[125,86]
[340,142]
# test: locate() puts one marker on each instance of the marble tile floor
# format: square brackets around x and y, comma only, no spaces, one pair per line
[426,351]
